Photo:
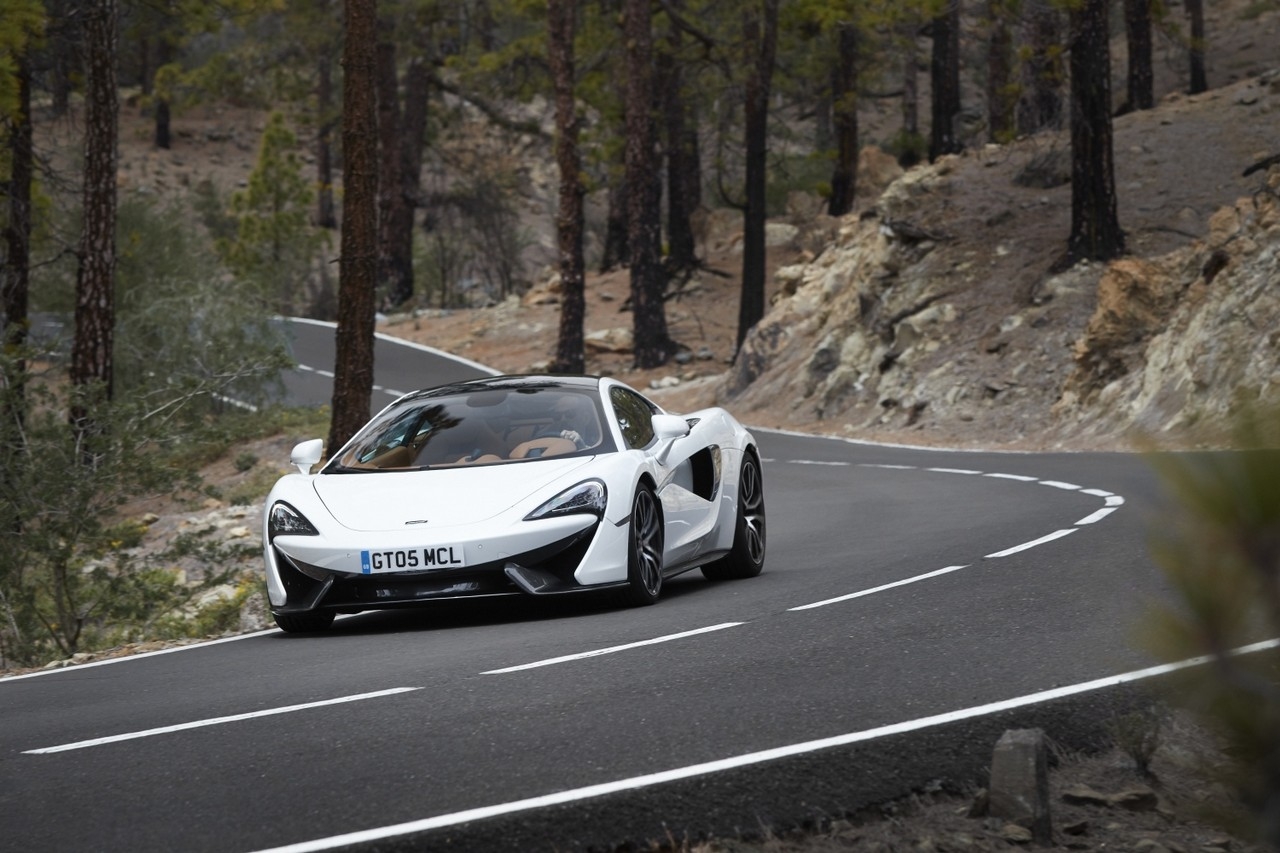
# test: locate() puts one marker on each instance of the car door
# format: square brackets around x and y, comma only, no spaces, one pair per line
[687,472]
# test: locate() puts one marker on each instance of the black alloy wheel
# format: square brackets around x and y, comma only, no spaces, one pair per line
[746,559]
[644,554]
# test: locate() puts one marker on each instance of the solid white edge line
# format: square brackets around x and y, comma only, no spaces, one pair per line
[748,759]
[403,342]
[612,649]
[91,664]
[862,442]
[882,588]
[1057,534]
[216,721]
[1097,516]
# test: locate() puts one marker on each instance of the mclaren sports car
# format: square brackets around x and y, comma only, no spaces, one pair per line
[513,486]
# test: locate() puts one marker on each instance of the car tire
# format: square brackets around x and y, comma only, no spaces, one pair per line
[746,559]
[304,623]
[644,549]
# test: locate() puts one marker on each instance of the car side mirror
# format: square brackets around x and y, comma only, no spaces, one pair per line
[668,428]
[307,454]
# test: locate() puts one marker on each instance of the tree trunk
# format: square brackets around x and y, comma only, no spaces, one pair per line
[1199,80]
[15,276]
[616,247]
[1000,98]
[682,252]
[388,93]
[1095,226]
[1040,107]
[910,88]
[944,76]
[1137,28]
[652,343]
[358,265]
[326,213]
[570,357]
[844,182]
[404,200]
[760,31]
[91,351]
[163,137]
[66,44]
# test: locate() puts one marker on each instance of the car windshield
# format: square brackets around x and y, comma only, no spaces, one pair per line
[483,427]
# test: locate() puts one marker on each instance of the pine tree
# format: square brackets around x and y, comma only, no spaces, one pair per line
[358,270]
[274,242]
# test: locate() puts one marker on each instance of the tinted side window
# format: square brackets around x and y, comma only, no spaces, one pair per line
[635,417]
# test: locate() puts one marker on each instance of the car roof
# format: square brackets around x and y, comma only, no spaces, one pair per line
[531,382]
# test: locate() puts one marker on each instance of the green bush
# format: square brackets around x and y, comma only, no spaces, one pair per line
[1219,546]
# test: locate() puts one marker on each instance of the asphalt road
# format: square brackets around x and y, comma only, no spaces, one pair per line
[902,587]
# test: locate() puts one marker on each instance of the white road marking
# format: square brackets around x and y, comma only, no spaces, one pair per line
[1023,478]
[1071,487]
[888,467]
[1114,500]
[1098,515]
[610,650]
[91,664]
[881,588]
[818,462]
[1097,493]
[215,721]
[1057,534]
[953,470]
[706,768]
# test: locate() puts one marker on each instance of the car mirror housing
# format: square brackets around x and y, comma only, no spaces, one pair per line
[307,454]
[667,427]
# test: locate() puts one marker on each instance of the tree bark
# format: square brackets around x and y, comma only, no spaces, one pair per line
[944,76]
[358,265]
[1095,225]
[681,249]
[1141,82]
[15,277]
[1040,107]
[326,213]
[163,136]
[1199,79]
[1000,99]
[404,200]
[570,356]
[910,88]
[652,343]
[91,351]
[760,31]
[388,93]
[844,182]
[616,247]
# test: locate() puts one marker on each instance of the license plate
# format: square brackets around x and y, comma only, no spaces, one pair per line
[412,559]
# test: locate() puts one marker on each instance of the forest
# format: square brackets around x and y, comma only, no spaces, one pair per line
[661,111]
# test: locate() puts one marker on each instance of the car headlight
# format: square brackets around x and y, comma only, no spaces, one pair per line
[284,520]
[588,497]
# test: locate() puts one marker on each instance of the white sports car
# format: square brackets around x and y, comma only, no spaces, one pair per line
[513,485]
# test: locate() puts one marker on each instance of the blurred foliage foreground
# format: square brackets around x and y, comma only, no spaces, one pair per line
[1219,546]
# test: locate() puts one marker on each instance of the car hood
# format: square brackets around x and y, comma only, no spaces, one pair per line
[388,500]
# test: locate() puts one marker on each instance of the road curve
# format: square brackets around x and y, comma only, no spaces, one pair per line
[914,604]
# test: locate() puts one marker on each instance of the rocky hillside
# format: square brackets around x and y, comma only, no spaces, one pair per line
[933,317]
